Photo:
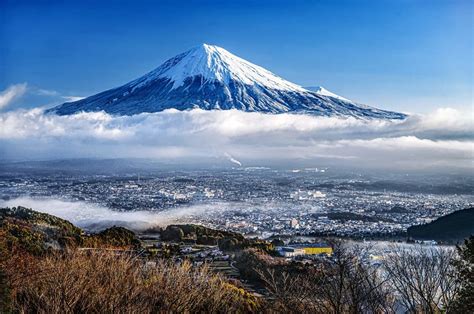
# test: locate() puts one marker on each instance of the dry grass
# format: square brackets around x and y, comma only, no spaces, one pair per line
[109,283]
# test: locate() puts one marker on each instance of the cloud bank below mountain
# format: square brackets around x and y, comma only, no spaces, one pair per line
[443,138]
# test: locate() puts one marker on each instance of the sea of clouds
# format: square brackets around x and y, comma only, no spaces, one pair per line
[443,138]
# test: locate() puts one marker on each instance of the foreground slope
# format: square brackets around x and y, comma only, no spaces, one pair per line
[211,78]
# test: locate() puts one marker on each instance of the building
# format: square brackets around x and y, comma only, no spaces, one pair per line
[290,251]
[315,248]
[305,249]
[294,223]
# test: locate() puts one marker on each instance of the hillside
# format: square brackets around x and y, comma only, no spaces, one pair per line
[454,227]
[226,240]
[27,230]
[41,272]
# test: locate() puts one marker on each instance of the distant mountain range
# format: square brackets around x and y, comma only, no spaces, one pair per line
[211,78]
[453,227]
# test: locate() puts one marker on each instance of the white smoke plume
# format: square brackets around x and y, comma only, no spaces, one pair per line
[233,160]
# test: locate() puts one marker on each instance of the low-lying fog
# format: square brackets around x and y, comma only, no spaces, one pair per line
[93,217]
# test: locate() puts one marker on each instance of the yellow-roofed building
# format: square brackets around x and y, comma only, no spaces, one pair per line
[306,249]
[316,250]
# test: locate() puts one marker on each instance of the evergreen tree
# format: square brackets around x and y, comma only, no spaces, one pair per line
[464,302]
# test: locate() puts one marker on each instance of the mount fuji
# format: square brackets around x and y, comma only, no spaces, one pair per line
[211,78]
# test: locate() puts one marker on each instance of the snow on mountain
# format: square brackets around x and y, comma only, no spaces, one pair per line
[213,63]
[324,92]
[211,78]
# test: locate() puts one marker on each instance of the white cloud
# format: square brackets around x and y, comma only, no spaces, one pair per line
[54,93]
[444,138]
[11,93]
[46,92]
[72,98]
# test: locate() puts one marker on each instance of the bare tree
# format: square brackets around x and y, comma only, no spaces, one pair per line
[350,286]
[290,293]
[341,284]
[423,277]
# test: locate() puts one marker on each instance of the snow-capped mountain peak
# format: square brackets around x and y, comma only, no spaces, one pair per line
[214,63]
[211,78]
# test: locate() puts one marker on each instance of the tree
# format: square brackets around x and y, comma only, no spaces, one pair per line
[464,302]
[341,284]
[347,285]
[290,291]
[172,233]
[424,278]
[278,242]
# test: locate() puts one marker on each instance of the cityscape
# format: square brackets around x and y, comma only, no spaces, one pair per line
[257,202]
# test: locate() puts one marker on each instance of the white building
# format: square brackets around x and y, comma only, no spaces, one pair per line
[294,223]
[290,251]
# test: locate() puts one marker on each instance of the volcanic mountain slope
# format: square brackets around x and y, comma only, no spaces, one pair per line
[210,77]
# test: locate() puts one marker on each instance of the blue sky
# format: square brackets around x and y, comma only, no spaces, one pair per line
[402,55]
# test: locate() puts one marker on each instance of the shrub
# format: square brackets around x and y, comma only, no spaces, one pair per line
[79,282]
